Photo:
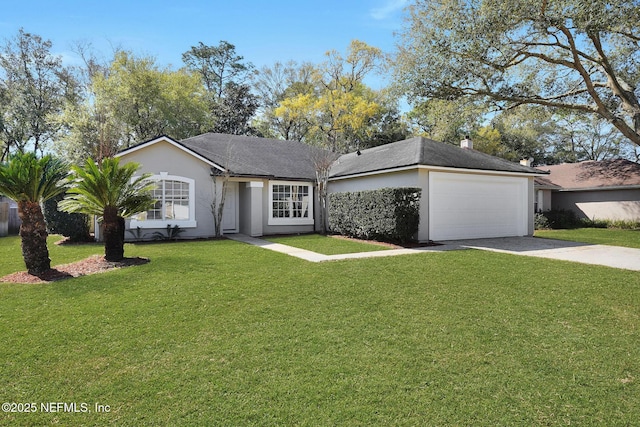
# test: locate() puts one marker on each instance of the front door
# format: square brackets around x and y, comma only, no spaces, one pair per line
[230,210]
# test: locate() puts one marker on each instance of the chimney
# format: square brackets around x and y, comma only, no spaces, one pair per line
[527,162]
[466,143]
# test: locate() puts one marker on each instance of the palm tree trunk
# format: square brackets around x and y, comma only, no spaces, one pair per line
[113,235]
[33,232]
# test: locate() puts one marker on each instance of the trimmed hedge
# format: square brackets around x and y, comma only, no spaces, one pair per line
[387,214]
[72,225]
[559,219]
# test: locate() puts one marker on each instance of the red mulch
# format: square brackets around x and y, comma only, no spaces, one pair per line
[92,265]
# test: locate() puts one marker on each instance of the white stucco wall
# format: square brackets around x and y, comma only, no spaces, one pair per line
[165,157]
[251,195]
[419,177]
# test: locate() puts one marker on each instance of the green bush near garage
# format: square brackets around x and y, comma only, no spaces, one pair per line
[386,214]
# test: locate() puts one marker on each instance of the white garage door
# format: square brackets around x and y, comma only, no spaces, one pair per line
[468,206]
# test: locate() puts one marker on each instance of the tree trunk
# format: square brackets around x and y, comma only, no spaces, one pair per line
[113,230]
[33,232]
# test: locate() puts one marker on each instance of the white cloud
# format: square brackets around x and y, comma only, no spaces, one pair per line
[388,9]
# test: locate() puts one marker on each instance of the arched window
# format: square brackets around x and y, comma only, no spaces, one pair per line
[175,203]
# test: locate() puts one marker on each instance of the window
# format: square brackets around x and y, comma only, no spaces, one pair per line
[174,205]
[290,203]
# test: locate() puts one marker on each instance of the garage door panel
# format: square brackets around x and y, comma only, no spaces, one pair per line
[463,206]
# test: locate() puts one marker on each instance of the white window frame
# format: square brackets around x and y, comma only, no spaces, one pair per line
[163,223]
[291,220]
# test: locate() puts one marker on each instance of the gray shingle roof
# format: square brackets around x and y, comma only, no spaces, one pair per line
[421,151]
[251,156]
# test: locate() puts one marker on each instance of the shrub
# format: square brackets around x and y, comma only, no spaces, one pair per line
[624,224]
[562,218]
[74,226]
[594,223]
[171,233]
[387,214]
[611,223]
[540,221]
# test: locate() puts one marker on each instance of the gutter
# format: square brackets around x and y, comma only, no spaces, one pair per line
[608,188]
[438,169]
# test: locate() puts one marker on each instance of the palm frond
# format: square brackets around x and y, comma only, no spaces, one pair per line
[24,177]
[109,185]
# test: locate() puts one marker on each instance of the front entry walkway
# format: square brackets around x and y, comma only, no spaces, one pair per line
[316,257]
[609,256]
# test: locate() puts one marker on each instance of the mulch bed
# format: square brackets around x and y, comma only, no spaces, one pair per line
[92,265]
[389,245]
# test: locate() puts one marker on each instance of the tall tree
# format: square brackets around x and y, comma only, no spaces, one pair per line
[527,132]
[128,101]
[217,65]
[580,55]
[273,85]
[30,182]
[586,138]
[110,191]
[224,75]
[33,89]
[149,101]
[335,108]
[90,129]
[446,121]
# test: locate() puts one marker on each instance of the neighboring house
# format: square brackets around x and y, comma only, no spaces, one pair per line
[607,189]
[271,185]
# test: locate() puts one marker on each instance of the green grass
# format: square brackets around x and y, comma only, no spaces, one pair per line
[223,333]
[327,245]
[598,236]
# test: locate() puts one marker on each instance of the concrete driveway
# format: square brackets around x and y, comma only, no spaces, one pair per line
[610,256]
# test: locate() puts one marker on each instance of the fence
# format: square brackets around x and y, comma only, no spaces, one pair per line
[4,219]
[14,220]
[9,219]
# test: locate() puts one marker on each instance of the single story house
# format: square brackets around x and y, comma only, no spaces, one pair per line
[271,185]
[269,189]
[607,189]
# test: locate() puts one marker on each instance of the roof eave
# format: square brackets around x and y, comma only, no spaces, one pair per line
[435,168]
[601,188]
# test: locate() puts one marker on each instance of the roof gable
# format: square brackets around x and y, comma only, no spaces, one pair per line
[595,174]
[170,141]
[246,156]
[421,151]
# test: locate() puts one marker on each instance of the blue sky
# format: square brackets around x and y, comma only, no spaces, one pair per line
[262,31]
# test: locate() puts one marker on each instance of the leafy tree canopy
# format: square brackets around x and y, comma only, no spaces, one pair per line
[581,55]
[34,87]
[331,106]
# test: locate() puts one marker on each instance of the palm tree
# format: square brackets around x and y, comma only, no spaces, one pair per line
[111,192]
[31,181]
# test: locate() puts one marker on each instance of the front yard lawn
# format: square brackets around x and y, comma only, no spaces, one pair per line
[328,245]
[597,236]
[224,333]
